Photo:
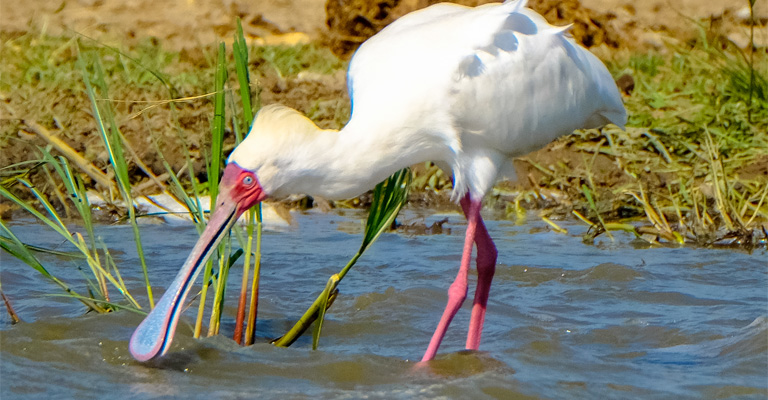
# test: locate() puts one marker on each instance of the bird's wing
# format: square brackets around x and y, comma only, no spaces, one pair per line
[431,61]
[531,84]
[490,82]
[394,74]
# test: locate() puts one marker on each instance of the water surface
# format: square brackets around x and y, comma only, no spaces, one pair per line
[617,319]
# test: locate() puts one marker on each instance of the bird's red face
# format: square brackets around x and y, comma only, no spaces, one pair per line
[239,191]
[239,187]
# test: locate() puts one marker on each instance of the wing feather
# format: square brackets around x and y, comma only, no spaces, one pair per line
[496,78]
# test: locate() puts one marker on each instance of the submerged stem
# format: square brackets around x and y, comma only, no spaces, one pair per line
[240,318]
[250,330]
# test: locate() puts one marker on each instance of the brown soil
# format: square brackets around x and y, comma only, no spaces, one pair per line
[192,27]
[350,22]
[612,23]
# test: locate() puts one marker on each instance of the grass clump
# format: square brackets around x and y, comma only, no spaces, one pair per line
[291,60]
[96,255]
[693,161]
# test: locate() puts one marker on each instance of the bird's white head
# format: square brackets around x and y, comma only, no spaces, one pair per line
[259,167]
[285,151]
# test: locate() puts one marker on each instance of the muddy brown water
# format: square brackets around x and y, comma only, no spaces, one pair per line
[617,319]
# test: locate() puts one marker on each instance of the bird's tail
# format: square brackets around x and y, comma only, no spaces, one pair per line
[611,109]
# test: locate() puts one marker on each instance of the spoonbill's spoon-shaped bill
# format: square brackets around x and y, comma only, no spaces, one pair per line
[467,88]
[239,190]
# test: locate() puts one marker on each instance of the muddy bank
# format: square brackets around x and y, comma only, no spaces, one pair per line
[183,33]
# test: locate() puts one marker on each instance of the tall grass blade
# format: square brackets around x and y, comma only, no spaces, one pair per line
[237,336]
[11,312]
[217,130]
[250,329]
[196,213]
[112,139]
[207,273]
[214,171]
[240,50]
[325,297]
[43,250]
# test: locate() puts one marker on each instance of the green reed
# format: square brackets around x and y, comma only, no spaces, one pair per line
[254,217]
[96,255]
[388,198]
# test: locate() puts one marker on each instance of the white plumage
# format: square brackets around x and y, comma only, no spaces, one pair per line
[467,88]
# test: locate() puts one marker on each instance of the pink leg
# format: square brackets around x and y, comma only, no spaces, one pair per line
[458,290]
[486,267]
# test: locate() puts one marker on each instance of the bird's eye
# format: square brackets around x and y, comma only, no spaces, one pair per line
[248,180]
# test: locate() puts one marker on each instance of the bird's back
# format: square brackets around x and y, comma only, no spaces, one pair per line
[495,78]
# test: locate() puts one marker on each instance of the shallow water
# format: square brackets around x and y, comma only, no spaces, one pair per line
[610,320]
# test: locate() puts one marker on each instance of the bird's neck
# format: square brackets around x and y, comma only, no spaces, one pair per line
[343,164]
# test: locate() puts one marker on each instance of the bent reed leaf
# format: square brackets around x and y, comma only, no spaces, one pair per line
[388,198]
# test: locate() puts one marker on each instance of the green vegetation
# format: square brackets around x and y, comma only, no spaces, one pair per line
[388,198]
[291,60]
[693,161]
[96,255]
[161,99]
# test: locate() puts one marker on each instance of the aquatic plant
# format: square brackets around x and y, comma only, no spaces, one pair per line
[388,198]
[225,260]
[96,255]
[113,141]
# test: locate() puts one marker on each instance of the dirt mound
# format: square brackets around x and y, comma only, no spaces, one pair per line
[351,22]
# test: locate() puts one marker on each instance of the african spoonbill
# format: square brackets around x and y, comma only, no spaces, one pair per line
[467,88]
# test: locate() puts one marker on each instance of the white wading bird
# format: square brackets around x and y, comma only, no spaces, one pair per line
[468,88]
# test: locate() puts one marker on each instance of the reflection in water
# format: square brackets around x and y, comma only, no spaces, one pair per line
[565,320]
